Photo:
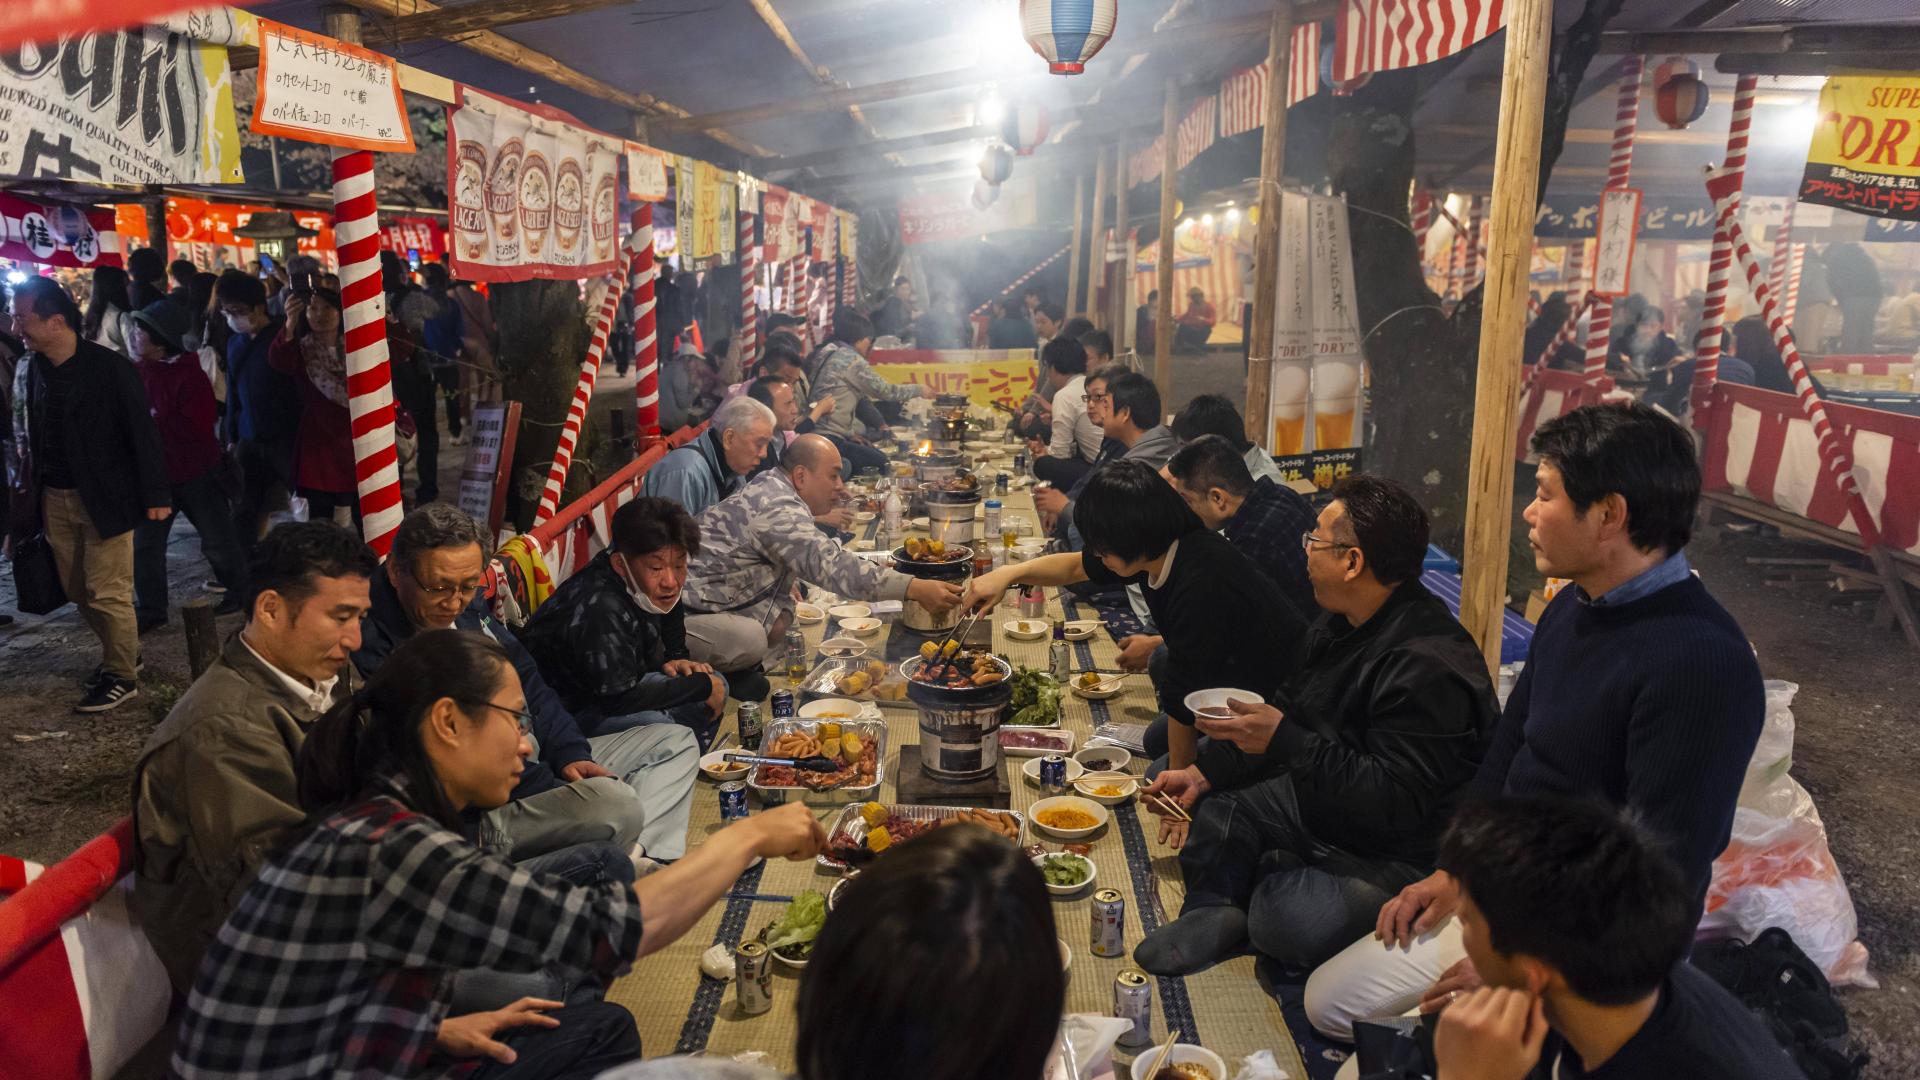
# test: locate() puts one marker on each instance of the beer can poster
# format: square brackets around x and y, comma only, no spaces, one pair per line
[1865,152]
[533,195]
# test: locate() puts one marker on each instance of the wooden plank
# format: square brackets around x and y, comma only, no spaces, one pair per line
[1120,323]
[1266,239]
[1079,240]
[450,23]
[1503,322]
[1097,244]
[1169,184]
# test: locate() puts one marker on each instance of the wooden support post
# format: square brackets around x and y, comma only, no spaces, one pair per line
[1169,184]
[1516,175]
[1074,263]
[1097,244]
[203,637]
[1266,236]
[1120,304]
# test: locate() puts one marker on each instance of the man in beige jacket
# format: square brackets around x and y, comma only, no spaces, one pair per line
[213,790]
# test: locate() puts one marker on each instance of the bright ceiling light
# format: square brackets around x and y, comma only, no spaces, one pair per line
[990,111]
[1795,125]
[1233,213]
[1207,220]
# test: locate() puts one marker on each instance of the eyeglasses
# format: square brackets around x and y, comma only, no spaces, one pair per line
[439,592]
[1307,540]
[1099,397]
[521,716]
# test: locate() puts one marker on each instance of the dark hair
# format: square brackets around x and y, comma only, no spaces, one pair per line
[46,298]
[1077,327]
[1106,373]
[779,321]
[1753,342]
[1635,450]
[1136,394]
[1576,884]
[200,293]
[291,558]
[1210,462]
[1064,355]
[182,271]
[1053,312]
[1388,524]
[375,733]
[146,264]
[647,524]
[331,299]
[761,389]
[109,291]
[781,352]
[1212,414]
[432,527]
[961,902]
[240,287]
[1128,511]
[850,326]
[436,276]
[1097,342]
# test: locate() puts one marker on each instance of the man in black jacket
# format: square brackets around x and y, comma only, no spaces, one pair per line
[263,405]
[1307,817]
[82,416]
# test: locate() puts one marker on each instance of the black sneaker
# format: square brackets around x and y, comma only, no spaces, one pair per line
[149,625]
[100,673]
[108,693]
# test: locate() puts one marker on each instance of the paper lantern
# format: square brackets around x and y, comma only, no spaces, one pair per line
[984,194]
[1340,89]
[1679,96]
[1024,128]
[1066,33]
[996,164]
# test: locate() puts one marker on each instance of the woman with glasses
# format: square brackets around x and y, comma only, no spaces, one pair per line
[338,958]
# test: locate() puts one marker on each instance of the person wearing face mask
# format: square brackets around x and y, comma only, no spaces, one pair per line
[612,639]
[263,404]
[184,411]
[309,350]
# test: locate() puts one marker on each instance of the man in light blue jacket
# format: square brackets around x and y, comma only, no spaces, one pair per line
[716,464]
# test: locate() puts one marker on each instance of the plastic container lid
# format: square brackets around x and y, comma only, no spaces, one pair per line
[993,504]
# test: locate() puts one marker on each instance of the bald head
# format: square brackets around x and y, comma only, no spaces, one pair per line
[813,464]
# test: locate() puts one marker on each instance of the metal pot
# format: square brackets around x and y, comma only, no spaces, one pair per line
[936,465]
[950,514]
[947,429]
[914,615]
[959,727]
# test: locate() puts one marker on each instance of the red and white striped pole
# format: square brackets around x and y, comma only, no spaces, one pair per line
[1706,345]
[1024,278]
[577,412]
[376,462]
[1790,293]
[1626,118]
[1422,221]
[1724,189]
[849,282]
[1782,251]
[749,332]
[1576,268]
[646,338]
[796,300]
[1560,340]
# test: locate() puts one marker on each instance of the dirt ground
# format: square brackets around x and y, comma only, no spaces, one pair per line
[64,777]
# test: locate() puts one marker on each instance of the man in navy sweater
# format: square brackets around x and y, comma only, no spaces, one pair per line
[1639,689]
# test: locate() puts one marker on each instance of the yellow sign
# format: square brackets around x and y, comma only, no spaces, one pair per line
[1865,154]
[984,375]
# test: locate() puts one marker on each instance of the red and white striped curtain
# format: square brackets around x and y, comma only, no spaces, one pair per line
[1195,132]
[1385,35]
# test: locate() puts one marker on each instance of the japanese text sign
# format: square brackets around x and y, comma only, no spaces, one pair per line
[319,90]
[1619,225]
[1865,153]
[56,234]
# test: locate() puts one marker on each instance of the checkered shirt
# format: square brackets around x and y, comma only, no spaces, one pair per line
[338,960]
[1267,528]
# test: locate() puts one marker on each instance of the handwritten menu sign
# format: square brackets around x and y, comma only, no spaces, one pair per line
[319,90]
[1618,230]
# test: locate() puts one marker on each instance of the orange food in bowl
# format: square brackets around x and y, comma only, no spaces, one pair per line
[1066,819]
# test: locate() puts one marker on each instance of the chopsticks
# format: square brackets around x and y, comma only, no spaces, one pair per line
[1172,808]
[1161,1058]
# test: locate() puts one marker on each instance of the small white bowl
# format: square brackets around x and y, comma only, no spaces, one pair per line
[1078,629]
[863,516]
[1069,802]
[843,648]
[716,767]
[1093,872]
[1026,629]
[1109,686]
[1212,704]
[860,545]
[801,965]
[1104,758]
[820,708]
[865,626]
[918,523]
[1029,549]
[1128,788]
[850,611]
[1181,1054]
[1066,955]
[1031,770]
[807,614]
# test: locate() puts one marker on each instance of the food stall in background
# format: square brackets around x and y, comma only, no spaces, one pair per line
[204,232]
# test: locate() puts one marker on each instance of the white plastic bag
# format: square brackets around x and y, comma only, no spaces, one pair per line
[1777,869]
[1260,1065]
[1085,1049]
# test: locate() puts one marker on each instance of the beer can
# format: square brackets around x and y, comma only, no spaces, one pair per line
[1020,462]
[1053,774]
[753,977]
[1109,924]
[748,720]
[782,704]
[1133,1002]
[733,800]
[1002,483]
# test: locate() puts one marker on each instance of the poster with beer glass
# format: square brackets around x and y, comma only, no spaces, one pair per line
[1317,370]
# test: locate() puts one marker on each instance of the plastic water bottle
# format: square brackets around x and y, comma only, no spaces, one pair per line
[893,512]
[992,518]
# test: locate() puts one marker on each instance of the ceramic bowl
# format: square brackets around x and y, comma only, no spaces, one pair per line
[1069,802]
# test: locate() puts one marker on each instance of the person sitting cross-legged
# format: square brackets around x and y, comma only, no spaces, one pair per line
[612,640]
[1580,924]
[337,959]
[1307,816]
[634,785]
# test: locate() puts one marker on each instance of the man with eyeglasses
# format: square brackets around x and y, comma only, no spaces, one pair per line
[631,788]
[1310,813]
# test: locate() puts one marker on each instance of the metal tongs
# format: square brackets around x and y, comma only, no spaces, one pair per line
[814,763]
[942,662]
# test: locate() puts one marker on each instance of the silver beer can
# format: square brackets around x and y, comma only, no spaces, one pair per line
[753,977]
[1133,1002]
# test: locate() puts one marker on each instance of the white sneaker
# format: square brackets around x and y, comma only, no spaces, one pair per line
[642,864]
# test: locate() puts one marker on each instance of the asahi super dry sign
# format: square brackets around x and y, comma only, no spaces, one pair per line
[1865,154]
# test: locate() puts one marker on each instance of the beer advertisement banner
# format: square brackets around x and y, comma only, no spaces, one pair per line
[1290,380]
[647,173]
[533,195]
[1865,153]
[148,105]
[1336,329]
[55,234]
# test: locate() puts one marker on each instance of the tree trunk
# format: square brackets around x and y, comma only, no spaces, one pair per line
[1422,359]
[543,338]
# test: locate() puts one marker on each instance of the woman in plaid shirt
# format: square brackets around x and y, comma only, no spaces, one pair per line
[338,959]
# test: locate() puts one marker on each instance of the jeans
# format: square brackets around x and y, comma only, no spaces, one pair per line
[97,573]
[482,990]
[264,466]
[1305,900]
[448,377]
[591,1039]
[207,508]
[856,456]
[692,715]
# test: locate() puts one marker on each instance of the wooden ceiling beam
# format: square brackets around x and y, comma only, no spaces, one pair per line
[1775,40]
[819,72]
[450,23]
[922,141]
